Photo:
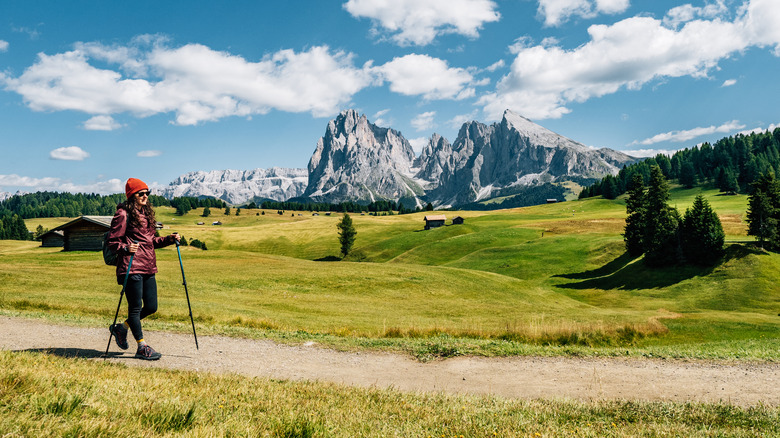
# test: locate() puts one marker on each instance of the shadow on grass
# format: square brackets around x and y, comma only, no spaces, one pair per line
[621,274]
[328,259]
[86,353]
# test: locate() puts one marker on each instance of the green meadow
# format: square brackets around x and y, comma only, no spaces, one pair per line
[545,280]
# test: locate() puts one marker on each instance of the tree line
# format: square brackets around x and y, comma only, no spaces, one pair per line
[732,164]
[63,204]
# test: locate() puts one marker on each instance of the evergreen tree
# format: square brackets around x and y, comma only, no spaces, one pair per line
[206,211]
[687,175]
[702,233]
[609,187]
[763,211]
[660,237]
[227,211]
[635,211]
[347,234]
[238,211]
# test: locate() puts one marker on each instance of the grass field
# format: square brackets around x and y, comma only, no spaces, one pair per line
[47,395]
[550,279]
[545,280]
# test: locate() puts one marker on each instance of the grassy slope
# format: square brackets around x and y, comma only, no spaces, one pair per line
[546,274]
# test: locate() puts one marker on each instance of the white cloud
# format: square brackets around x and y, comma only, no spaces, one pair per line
[457,121]
[420,22]
[379,119]
[424,121]
[770,128]
[687,12]
[59,185]
[149,154]
[418,144]
[496,65]
[556,12]
[729,82]
[544,80]
[70,153]
[194,82]
[645,153]
[102,123]
[422,75]
[3,46]
[680,136]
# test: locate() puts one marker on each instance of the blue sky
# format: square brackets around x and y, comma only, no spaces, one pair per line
[95,92]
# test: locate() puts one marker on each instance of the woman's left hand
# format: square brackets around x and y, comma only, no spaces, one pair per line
[176,236]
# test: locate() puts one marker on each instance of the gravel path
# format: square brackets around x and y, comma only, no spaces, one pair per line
[741,384]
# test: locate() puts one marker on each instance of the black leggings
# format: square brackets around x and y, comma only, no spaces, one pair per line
[141,292]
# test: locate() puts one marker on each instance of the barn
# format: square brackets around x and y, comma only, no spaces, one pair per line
[53,239]
[434,221]
[457,220]
[84,233]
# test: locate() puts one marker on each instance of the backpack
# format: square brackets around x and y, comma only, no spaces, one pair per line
[110,257]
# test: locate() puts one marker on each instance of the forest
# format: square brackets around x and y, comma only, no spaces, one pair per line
[731,164]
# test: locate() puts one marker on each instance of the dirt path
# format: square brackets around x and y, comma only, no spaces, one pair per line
[519,377]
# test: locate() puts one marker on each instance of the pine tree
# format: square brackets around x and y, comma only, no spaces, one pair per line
[763,211]
[702,233]
[347,234]
[206,211]
[635,211]
[660,237]
[687,175]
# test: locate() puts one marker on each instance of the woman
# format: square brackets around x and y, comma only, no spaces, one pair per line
[133,234]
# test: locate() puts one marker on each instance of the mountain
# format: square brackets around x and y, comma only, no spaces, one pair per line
[358,161]
[239,186]
[488,161]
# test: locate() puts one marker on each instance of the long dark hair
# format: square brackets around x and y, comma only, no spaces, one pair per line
[134,211]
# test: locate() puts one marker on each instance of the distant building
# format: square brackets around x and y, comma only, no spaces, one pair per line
[457,220]
[216,223]
[552,201]
[434,221]
[84,233]
[53,239]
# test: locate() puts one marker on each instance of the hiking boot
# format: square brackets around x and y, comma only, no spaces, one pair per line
[120,334]
[146,352]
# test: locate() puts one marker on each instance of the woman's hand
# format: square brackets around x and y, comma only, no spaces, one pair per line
[132,248]
[177,237]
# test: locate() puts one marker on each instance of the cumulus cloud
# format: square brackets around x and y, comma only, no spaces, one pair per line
[149,154]
[59,185]
[729,82]
[422,75]
[680,136]
[424,121]
[544,80]
[102,123]
[687,12]
[70,153]
[556,12]
[3,45]
[193,82]
[409,22]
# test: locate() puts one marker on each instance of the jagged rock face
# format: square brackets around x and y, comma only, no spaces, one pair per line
[358,161]
[514,152]
[240,186]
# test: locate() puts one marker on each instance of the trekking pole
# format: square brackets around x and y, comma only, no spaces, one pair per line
[121,294]
[184,282]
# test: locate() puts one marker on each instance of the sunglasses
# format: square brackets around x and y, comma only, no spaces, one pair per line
[144,193]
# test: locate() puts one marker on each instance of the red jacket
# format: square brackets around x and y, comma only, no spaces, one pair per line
[122,234]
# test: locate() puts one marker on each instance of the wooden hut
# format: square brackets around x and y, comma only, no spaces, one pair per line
[457,220]
[53,239]
[434,221]
[84,233]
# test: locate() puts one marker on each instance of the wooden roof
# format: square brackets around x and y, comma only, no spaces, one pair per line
[104,221]
[435,217]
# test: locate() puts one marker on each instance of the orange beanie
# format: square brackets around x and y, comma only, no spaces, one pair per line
[133,186]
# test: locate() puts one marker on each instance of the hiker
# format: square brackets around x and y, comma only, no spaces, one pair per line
[134,221]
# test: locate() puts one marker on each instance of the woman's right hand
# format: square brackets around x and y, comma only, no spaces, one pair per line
[132,248]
